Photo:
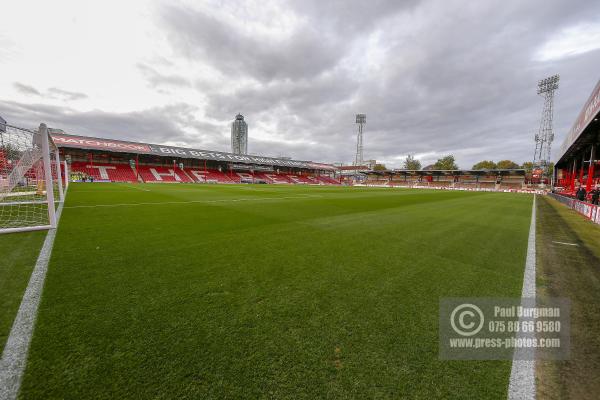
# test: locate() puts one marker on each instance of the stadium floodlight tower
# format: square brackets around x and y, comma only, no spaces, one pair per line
[361,119]
[545,135]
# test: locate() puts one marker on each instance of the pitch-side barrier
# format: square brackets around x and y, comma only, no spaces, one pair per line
[588,210]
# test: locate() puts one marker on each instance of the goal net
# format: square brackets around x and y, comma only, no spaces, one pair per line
[30,179]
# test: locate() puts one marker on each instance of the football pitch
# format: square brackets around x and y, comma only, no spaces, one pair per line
[264,291]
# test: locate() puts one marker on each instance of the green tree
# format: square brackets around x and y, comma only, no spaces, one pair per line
[411,163]
[528,167]
[485,165]
[507,164]
[447,162]
[379,167]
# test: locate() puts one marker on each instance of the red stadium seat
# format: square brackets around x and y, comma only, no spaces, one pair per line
[328,181]
[277,178]
[150,173]
[299,179]
[163,174]
[104,171]
[201,175]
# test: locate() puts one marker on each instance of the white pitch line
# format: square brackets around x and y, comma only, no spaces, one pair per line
[522,374]
[14,356]
[565,243]
[193,201]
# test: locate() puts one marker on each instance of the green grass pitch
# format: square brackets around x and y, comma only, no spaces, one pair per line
[19,252]
[263,291]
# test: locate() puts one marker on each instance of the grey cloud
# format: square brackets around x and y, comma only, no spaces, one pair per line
[157,125]
[316,46]
[55,93]
[156,79]
[26,89]
[448,77]
[235,55]
[474,88]
[65,94]
[472,91]
[300,96]
[350,17]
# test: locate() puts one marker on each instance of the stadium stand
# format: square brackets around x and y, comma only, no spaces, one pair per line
[243,177]
[442,183]
[314,180]
[377,181]
[511,183]
[278,178]
[578,163]
[162,174]
[488,182]
[105,172]
[487,185]
[327,180]
[451,179]
[207,176]
[300,180]
[123,161]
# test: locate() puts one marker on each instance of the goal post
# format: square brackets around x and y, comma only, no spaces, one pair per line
[31,183]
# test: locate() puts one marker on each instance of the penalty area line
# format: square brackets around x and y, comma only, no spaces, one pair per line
[14,356]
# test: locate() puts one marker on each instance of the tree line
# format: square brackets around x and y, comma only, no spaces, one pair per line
[449,163]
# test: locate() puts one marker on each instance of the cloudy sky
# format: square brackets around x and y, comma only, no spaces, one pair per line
[434,77]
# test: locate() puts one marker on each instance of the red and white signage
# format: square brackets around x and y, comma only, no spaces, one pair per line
[83,142]
[99,144]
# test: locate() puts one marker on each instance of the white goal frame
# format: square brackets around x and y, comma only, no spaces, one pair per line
[48,181]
